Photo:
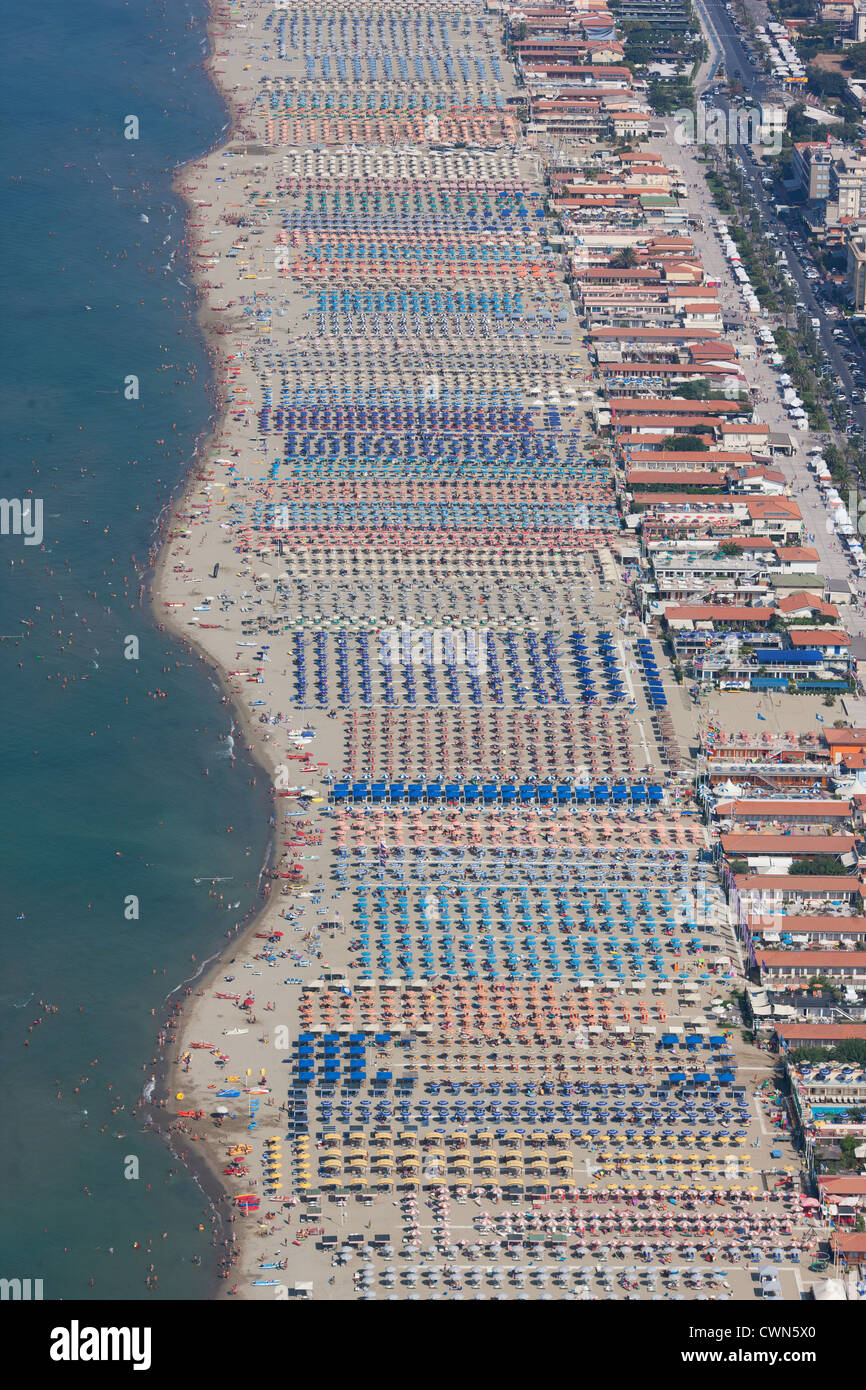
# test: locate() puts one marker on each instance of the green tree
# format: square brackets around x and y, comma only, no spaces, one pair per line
[851,1050]
[849,1144]
[818,864]
[696,390]
[689,443]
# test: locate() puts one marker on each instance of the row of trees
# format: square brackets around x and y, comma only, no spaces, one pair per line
[643,44]
[851,1051]
[813,865]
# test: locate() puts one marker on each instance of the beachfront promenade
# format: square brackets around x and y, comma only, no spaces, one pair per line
[478,1041]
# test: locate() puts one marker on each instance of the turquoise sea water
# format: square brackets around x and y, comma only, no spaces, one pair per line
[103,790]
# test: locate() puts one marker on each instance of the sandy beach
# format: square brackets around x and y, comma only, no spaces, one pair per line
[413,1067]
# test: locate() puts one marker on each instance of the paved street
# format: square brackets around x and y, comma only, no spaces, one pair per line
[724,42]
[834,563]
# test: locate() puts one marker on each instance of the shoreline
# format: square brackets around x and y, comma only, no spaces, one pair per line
[201,1163]
[190,541]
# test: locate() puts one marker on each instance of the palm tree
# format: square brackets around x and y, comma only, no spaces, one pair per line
[624,259]
[785,295]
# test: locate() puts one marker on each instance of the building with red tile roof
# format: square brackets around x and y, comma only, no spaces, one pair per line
[833,638]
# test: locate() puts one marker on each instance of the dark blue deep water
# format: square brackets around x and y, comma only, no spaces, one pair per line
[103,792]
